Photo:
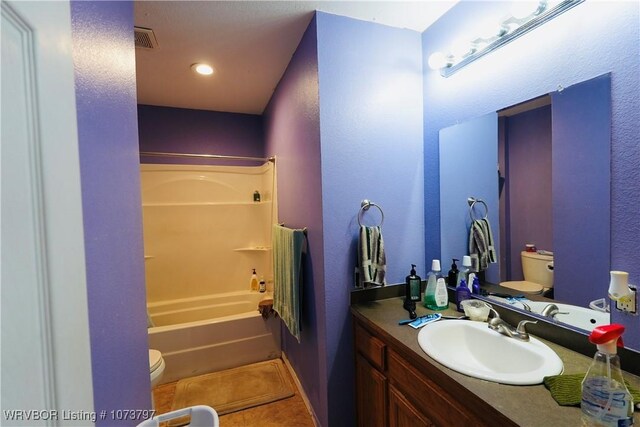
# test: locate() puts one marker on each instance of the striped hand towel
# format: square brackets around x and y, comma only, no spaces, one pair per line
[288,246]
[371,257]
[481,245]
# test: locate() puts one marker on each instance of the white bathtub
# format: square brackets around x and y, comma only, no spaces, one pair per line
[207,334]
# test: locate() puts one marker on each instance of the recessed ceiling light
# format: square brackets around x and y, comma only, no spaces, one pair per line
[204,69]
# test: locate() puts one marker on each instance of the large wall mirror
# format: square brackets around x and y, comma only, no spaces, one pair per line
[542,171]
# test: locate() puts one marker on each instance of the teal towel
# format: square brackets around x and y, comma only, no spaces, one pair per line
[288,245]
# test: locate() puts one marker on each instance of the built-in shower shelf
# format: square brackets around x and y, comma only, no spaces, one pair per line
[254,249]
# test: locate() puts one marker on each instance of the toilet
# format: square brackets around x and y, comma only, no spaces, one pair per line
[156,367]
[538,274]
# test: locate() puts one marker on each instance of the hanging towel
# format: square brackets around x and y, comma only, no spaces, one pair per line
[481,245]
[288,246]
[372,261]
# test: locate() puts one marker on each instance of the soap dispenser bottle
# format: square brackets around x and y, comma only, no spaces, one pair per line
[412,285]
[412,292]
[253,284]
[606,401]
[452,276]
[436,296]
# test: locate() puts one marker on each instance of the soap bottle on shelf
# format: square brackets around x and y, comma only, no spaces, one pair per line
[452,277]
[263,284]
[256,196]
[436,296]
[606,401]
[254,281]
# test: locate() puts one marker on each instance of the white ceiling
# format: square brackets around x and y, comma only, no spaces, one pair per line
[249,43]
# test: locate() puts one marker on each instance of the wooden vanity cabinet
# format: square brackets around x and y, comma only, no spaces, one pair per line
[399,389]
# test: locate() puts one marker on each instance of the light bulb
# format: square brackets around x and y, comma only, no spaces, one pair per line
[204,69]
[437,60]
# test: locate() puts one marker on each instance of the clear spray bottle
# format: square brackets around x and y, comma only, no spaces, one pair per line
[606,401]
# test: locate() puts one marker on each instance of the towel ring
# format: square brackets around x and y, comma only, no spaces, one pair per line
[364,206]
[472,202]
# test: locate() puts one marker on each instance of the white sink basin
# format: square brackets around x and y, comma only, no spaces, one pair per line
[473,349]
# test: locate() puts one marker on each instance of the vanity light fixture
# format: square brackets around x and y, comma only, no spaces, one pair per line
[509,29]
[201,68]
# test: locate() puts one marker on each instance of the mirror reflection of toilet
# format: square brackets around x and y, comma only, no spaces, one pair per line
[538,273]
[156,369]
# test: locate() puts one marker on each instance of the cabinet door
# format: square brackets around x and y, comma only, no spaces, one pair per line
[371,389]
[402,413]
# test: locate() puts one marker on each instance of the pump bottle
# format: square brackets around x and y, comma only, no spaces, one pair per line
[452,276]
[412,285]
[606,401]
[436,296]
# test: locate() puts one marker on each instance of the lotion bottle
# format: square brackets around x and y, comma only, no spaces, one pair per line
[462,293]
[262,285]
[436,296]
[606,401]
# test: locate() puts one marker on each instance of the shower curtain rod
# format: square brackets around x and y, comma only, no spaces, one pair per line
[207,156]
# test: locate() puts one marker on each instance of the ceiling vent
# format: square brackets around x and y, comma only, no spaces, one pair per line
[145,39]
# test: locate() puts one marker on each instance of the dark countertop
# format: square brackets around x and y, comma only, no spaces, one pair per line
[524,405]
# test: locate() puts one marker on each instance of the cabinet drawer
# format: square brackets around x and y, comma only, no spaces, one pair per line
[370,347]
[433,402]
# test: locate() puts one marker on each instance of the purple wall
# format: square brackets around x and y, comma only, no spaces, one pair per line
[181,130]
[108,144]
[370,79]
[528,185]
[576,46]
[292,134]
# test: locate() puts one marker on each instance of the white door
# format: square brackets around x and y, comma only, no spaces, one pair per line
[45,352]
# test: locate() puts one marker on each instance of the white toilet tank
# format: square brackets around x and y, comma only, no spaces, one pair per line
[535,268]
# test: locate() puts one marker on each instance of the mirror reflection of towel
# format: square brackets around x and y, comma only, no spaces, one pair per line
[372,260]
[481,246]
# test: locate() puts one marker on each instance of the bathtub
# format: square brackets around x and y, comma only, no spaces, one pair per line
[210,333]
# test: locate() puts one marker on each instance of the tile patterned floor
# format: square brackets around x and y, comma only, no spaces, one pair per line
[290,412]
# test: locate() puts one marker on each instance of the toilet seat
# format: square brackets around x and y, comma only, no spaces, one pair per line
[524,286]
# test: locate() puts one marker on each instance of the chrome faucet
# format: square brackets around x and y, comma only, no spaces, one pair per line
[551,310]
[499,325]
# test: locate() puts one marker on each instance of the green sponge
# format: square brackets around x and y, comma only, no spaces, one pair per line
[567,389]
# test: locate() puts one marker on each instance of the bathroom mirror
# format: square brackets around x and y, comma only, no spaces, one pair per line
[541,169]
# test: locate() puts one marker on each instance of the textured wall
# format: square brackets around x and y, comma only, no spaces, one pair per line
[574,47]
[181,130]
[108,142]
[292,134]
[370,80]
